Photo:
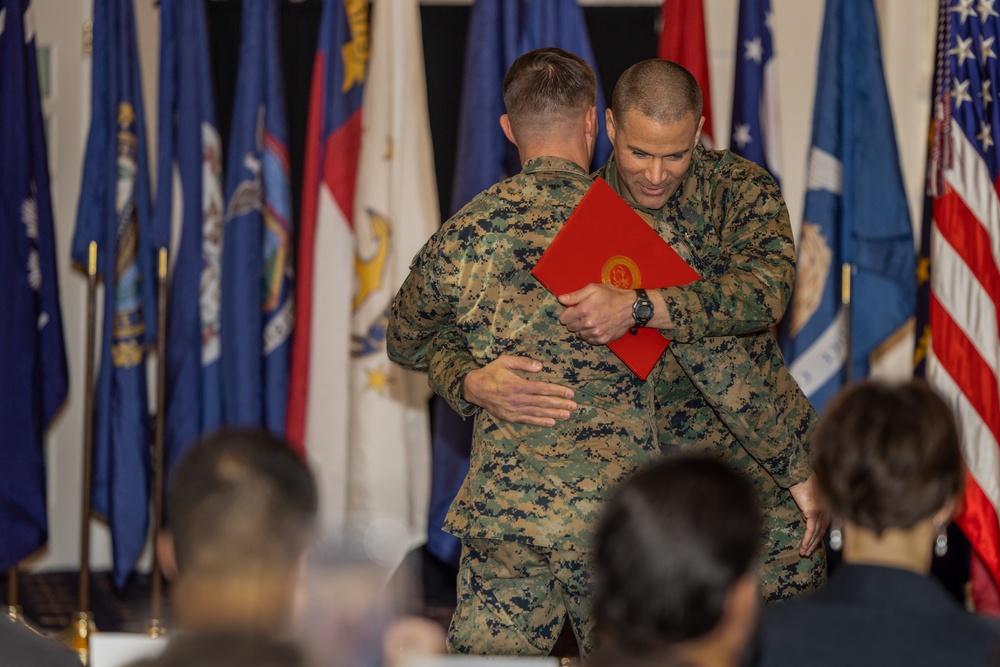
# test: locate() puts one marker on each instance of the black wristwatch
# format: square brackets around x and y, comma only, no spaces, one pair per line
[642,310]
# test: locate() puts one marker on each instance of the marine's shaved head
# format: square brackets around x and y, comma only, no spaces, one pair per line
[659,89]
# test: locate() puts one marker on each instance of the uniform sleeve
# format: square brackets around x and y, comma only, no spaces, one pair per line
[448,362]
[757,256]
[418,312]
[422,333]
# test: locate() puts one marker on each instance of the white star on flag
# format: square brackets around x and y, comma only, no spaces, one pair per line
[754,50]
[742,135]
[962,50]
[985,93]
[986,47]
[985,135]
[960,93]
[964,9]
[985,9]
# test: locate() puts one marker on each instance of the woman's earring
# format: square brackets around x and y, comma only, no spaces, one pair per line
[836,538]
[941,542]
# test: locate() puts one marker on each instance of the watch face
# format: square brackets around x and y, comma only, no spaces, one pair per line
[644,311]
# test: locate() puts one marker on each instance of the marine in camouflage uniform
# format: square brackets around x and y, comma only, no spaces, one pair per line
[527,510]
[723,385]
[529,489]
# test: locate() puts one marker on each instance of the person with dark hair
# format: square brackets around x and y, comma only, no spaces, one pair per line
[242,511]
[889,469]
[527,509]
[675,567]
[722,386]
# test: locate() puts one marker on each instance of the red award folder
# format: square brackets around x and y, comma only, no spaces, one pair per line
[605,241]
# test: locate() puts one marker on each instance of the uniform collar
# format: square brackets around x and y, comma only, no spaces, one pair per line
[551,163]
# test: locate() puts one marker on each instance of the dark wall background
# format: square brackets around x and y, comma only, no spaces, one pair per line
[620,36]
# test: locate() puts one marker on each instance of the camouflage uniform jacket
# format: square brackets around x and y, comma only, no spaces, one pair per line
[471,283]
[729,221]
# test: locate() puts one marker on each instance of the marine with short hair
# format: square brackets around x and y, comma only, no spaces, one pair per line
[527,509]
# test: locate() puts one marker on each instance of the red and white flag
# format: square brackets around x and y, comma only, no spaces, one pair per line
[682,40]
[963,357]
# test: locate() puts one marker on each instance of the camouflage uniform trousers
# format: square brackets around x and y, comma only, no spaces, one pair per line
[691,425]
[513,599]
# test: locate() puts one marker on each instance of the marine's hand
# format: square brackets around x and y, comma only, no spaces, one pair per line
[598,313]
[498,389]
[804,495]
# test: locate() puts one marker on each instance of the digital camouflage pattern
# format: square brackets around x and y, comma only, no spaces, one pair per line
[723,386]
[538,485]
[513,599]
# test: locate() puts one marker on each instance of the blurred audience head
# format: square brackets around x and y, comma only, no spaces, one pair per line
[242,509]
[888,457]
[676,552]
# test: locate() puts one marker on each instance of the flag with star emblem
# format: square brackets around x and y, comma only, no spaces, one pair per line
[856,214]
[189,211]
[682,40]
[32,354]
[114,211]
[257,262]
[395,212]
[319,394]
[962,351]
[755,131]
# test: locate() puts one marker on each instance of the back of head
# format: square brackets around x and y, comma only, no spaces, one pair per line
[887,456]
[546,87]
[241,502]
[658,89]
[672,542]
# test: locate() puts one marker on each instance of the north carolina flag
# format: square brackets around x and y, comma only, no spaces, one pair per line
[755,126]
[115,211]
[963,344]
[257,263]
[856,213]
[188,220]
[32,354]
[320,399]
[395,212]
[682,40]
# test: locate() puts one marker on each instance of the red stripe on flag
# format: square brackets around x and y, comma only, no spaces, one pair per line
[340,168]
[966,234]
[298,384]
[966,366]
[682,40]
[978,520]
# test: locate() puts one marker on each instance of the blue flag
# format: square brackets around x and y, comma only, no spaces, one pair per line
[499,32]
[32,355]
[855,213]
[115,212]
[189,202]
[755,129]
[257,263]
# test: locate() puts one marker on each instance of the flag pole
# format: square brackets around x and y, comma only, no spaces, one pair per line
[14,612]
[156,628]
[78,634]
[845,301]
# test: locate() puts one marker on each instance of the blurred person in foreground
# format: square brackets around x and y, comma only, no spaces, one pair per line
[242,509]
[676,567]
[889,469]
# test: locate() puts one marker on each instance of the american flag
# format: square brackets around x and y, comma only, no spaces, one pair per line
[754,132]
[963,355]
